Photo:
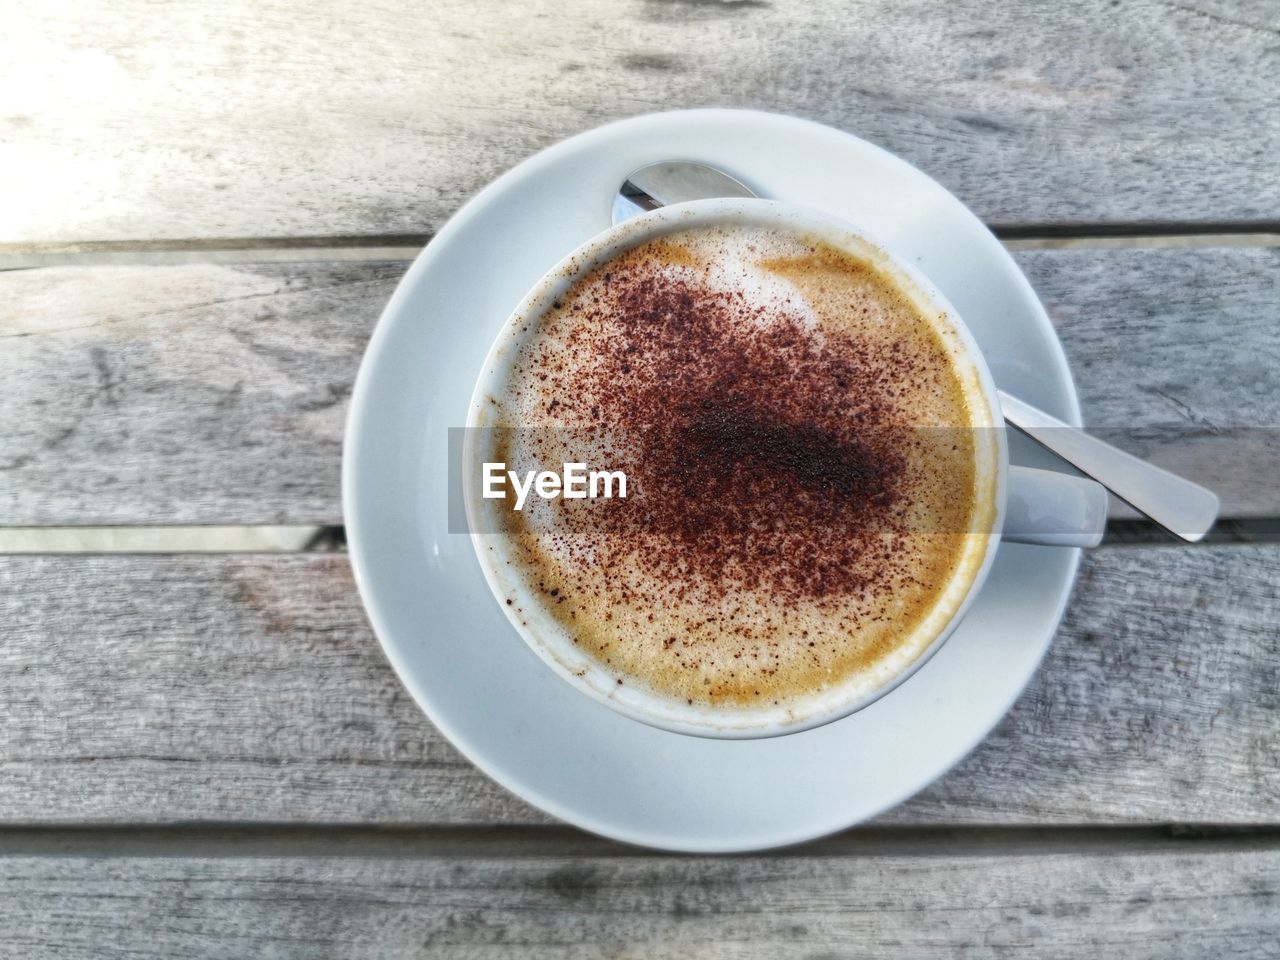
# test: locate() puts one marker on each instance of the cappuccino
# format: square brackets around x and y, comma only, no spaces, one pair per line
[810,481]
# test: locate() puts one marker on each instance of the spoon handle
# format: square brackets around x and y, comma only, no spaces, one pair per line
[1180,506]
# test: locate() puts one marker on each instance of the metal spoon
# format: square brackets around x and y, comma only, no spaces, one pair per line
[1184,508]
[673,181]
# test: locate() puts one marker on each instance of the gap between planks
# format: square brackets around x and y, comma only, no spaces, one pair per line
[171,539]
[208,840]
[331,539]
[19,256]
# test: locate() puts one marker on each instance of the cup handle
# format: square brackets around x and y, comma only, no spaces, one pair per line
[1052,508]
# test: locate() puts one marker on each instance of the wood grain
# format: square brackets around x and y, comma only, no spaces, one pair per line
[160,689]
[217,393]
[1176,357]
[158,394]
[484,900]
[278,119]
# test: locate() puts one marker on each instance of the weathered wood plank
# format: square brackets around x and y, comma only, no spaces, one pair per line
[1198,899]
[217,393]
[186,393]
[269,119]
[156,689]
[1176,355]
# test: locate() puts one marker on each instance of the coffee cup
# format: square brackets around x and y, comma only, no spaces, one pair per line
[1008,502]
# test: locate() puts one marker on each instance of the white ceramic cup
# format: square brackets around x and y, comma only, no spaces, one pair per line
[1028,506]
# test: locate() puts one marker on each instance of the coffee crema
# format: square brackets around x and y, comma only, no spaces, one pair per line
[811,486]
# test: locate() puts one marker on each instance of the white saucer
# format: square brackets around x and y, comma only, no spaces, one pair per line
[440,625]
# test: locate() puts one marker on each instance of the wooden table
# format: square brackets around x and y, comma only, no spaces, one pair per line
[207,755]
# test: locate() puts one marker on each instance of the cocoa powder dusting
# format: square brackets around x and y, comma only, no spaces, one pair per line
[763,460]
